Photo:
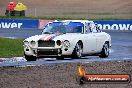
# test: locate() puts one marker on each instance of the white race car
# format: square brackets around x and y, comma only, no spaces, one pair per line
[70,38]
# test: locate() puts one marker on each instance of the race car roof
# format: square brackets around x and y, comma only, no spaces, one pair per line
[82,21]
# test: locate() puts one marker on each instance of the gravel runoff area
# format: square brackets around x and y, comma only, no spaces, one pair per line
[61,75]
[75,8]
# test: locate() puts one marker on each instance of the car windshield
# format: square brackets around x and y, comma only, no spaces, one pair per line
[63,27]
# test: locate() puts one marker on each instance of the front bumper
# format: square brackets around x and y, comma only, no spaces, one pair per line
[49,52]
[43,51]
[46,51]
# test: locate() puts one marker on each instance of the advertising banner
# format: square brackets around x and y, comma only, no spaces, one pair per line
[103,24]
[18,23]
[115,24]
[42,23]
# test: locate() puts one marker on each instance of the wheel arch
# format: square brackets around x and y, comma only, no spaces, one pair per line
[80,42]
[107,43]
[104,43]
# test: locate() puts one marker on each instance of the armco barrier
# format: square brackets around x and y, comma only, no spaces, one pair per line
[18,23]
[114,24]
[30,23]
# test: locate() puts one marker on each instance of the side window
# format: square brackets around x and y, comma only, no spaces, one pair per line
[94,28]
[88,28]
[97,27]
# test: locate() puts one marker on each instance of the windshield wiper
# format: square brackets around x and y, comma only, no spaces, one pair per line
[60,33]
[48,32]
[64,32]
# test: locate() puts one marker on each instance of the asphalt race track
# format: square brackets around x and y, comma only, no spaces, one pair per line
[121,49]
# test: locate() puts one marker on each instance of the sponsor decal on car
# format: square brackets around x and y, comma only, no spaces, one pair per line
[48,37]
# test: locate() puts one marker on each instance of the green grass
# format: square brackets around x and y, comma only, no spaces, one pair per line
[61,18]
[91,13]
[11,47]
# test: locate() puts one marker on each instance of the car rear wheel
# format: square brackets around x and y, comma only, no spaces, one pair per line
[105,51]
[77,53]
[30,58]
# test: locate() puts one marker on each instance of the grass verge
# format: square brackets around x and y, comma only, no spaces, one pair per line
[11,47]
[61,18]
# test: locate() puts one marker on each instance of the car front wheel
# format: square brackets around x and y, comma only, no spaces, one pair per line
[105,51]
[30,58]
[77,53]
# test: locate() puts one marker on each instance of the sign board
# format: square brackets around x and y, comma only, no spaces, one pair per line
[18,23]
[114,24]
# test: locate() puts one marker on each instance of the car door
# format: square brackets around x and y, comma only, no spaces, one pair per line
[100,40]
[89,42]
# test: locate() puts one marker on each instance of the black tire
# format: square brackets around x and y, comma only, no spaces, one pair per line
[60,58]
[30,58]
[105,51]
[77,52]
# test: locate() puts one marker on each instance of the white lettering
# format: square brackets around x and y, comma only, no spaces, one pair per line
[5,25]
[106,26]
[19,25]
[131,27]
[124,26]
[100,26]
[10,25]
[13,25]
[114,27]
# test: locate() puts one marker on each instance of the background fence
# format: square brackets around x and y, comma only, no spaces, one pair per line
[39,24]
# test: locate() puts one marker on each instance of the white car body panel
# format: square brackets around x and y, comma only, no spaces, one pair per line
[92,42]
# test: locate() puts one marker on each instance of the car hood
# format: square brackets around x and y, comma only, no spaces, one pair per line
[55,37]
[68,36]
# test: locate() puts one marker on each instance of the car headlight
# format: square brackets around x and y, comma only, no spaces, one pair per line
[58,42]
[26,42]
[33,43]
[66,43]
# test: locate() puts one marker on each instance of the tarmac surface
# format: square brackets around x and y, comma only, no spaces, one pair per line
[121,49]
[16,72]
[62,75]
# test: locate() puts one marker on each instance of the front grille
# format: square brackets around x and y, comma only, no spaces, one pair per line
[47,52]
[46,43]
